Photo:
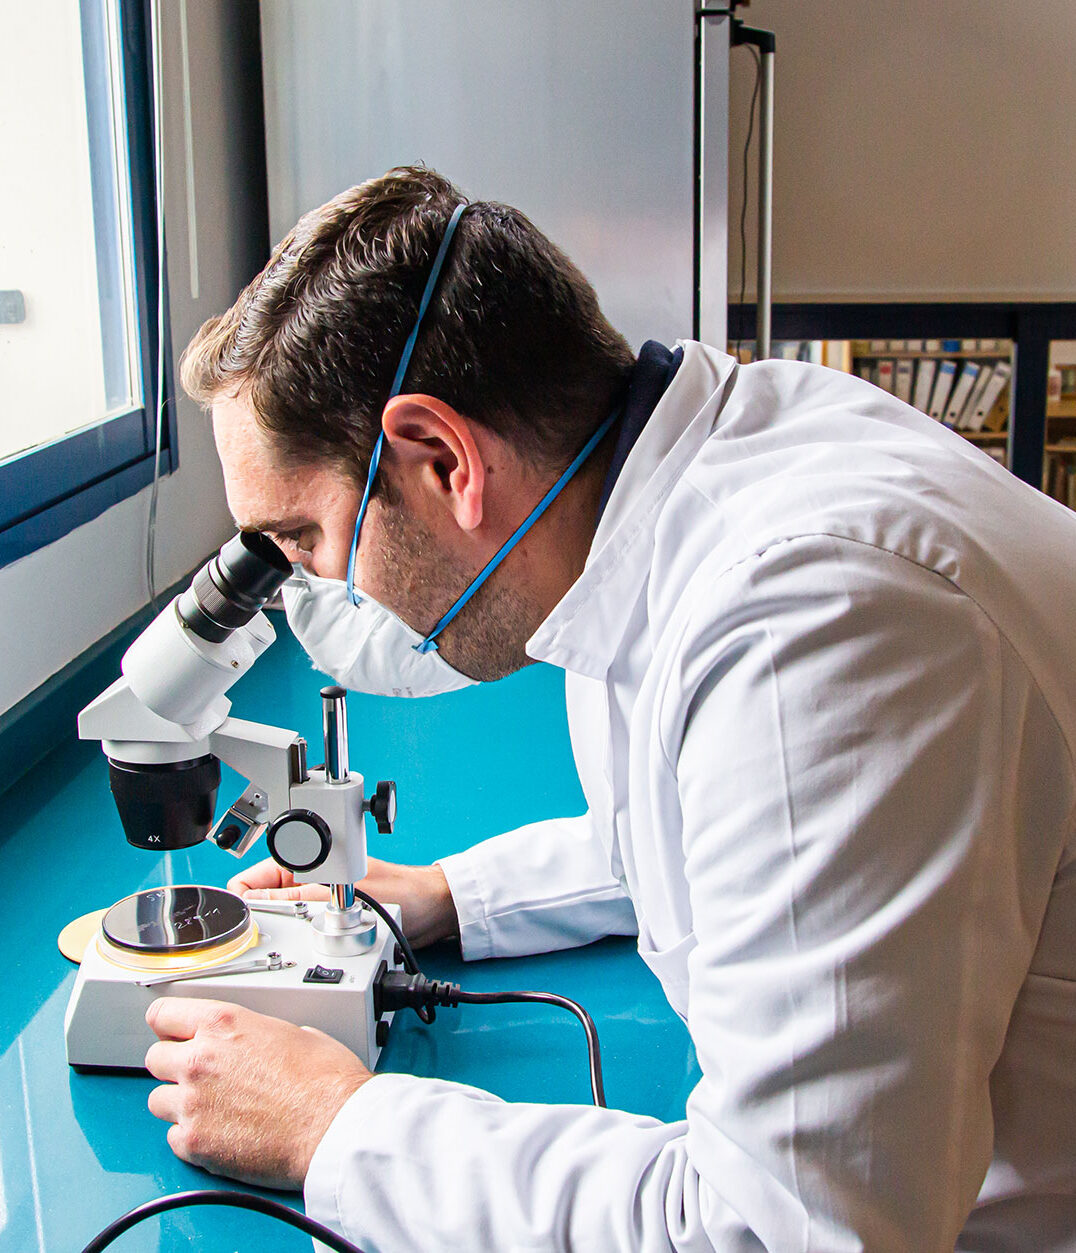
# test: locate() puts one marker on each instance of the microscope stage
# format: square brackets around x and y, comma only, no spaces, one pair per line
[105,1025]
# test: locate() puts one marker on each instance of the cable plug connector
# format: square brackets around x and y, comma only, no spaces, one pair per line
[397,989]
[401,989]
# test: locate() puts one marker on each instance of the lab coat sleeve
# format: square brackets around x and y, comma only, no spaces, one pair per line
[833,738]
[542,887]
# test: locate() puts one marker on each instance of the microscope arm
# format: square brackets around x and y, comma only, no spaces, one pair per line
[274,760]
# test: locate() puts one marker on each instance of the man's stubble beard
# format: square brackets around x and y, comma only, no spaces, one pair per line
[487,640]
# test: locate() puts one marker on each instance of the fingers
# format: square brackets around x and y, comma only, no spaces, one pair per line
[167,1059]
[296,892]
[163,1103]
[177,1141]
[269,882]
[179,1017]
[264,874]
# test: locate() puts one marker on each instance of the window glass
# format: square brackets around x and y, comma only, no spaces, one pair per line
[68,331]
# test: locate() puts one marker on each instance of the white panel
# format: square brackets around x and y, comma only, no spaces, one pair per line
[713,185]
[922,151]
[580,115]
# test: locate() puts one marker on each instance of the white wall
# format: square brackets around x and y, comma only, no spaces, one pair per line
[59,601]
[923,151]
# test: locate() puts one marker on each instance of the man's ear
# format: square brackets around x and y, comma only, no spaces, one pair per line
[434,448]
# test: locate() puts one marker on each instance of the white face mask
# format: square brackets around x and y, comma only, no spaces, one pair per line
[365,647]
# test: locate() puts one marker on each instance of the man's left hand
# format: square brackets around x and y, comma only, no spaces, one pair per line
[248,1096]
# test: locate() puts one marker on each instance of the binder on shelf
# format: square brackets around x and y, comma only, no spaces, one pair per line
[885,375]
[997,418]
[1060,481]
[902,379]
[943,385]
[968,412]
[924,383]
[1001,375]
[961,391]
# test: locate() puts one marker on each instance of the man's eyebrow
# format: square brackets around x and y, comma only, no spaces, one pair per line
[297,522]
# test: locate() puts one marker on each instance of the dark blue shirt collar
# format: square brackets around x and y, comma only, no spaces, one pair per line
[654,371]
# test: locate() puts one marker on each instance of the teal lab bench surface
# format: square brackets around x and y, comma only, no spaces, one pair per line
[78,1150]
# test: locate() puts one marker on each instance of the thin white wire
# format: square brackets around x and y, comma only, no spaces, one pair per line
[188,136]
[158,187]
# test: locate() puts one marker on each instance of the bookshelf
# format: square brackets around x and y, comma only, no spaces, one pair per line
[1036,329]
[963,383]
[971,394]
[1059,469]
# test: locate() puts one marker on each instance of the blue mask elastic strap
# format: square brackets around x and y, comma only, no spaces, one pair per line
[430,642]
[397,387]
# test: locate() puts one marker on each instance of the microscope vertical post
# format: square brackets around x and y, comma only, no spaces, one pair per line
[337,769]
[334,728]
[343,917]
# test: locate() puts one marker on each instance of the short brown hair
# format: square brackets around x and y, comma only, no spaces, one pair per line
[514,337]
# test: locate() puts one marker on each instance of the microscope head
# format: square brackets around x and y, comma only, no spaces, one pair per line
[155,722]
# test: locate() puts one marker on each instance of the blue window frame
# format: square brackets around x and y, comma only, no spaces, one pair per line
[51,488]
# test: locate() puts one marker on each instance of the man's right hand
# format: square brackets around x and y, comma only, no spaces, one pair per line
[420,891]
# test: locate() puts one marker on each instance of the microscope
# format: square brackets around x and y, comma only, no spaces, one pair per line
[165,727]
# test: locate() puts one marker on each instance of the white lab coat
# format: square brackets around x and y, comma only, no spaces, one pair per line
[820,680]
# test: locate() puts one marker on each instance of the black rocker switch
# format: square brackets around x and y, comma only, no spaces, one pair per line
[323,974]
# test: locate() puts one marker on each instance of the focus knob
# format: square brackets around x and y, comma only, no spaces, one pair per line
[299,839]
[382,806]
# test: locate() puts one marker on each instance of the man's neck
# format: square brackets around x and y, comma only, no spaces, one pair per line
[568,529]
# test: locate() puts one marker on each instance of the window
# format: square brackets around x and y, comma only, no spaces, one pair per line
[78,269]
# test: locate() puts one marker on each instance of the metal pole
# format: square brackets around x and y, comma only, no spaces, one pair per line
[764,296]
[766,44]
[334,727]
[341,896]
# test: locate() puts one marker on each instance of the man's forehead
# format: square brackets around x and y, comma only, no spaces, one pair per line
[237,430]
[264,493]
[258,492]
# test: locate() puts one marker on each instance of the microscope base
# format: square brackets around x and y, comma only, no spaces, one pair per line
[105,1026]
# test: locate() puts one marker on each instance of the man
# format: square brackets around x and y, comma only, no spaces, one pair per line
[821,696]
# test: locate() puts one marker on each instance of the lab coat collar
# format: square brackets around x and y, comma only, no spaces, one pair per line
[585,629]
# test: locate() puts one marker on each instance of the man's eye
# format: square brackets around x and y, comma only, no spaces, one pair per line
[292,539]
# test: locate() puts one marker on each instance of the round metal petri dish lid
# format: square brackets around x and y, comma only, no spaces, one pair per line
[182,919]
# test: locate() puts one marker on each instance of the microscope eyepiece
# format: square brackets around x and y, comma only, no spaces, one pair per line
[233,586]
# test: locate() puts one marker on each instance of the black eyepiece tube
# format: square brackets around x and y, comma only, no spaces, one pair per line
[233,586]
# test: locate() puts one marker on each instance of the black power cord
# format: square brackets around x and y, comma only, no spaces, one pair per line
[743,205]
[425,1011]
[238,1200]
[394,989]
